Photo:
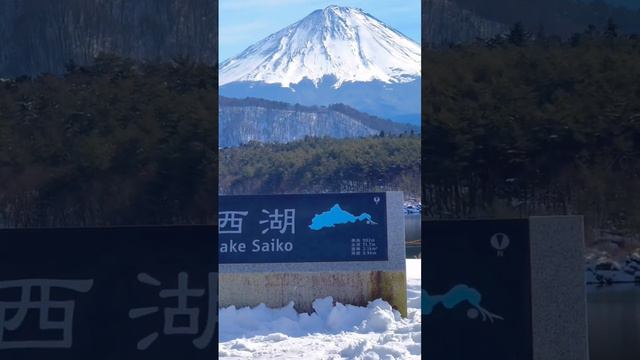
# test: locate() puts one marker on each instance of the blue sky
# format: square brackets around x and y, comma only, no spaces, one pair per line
[244,22]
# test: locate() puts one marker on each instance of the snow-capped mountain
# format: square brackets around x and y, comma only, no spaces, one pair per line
[336,54]
[337,41]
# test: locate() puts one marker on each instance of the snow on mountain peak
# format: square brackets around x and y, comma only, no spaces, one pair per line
[342,42]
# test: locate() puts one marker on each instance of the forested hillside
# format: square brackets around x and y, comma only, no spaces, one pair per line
[556,17]
[517,127]
[323,165]
[115,142]
[243,120]
[39,36]
[458,21]
[446,22]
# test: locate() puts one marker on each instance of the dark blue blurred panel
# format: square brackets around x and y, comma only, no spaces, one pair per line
[476,300]
[122,286]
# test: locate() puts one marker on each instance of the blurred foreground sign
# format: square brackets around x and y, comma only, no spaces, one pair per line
[108,293]
[302,228]
[477,297]
[504,289]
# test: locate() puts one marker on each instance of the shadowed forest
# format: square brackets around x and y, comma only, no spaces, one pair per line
[525,124]
[112,143]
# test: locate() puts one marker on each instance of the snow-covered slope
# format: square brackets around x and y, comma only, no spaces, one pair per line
[344,43]
[242,121]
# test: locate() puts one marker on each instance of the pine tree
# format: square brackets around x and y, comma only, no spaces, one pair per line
[517,36]
[612,29]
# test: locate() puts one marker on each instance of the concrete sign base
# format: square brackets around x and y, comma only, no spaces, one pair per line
[348,282]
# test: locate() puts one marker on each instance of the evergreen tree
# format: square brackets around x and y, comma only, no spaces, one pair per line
[612,29]
[517,36]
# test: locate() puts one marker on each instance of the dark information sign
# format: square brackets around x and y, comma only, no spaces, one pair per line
[302,228]
[476,299]
[110,293]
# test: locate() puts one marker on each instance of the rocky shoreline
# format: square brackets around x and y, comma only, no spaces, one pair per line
[602,270]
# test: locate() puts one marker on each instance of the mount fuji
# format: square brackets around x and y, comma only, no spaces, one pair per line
[333,55]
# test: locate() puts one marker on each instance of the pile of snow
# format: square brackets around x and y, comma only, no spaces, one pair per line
[341,42]
[412,206]
[332,331]
[414,284]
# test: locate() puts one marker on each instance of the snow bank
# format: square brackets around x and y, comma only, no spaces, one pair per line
[332,331]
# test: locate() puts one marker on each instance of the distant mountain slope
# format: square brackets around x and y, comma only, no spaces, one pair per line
[244,120]
[631,4]
[446,21]
[38,36]
[335,54]
[459,21]
[399,102]
[556,17]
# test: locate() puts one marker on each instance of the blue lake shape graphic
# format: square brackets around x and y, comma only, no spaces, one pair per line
[337,216]
[459,294]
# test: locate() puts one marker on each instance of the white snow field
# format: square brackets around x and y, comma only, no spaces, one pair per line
[333,331]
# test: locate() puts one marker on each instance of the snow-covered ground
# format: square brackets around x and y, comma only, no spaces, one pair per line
[333,331]
[602,269]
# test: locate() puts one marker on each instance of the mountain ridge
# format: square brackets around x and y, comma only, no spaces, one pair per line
[44,36]
[253,119]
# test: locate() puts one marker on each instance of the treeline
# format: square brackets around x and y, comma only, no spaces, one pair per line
[522,125]
[375,122]
[115,142]
[323,165]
